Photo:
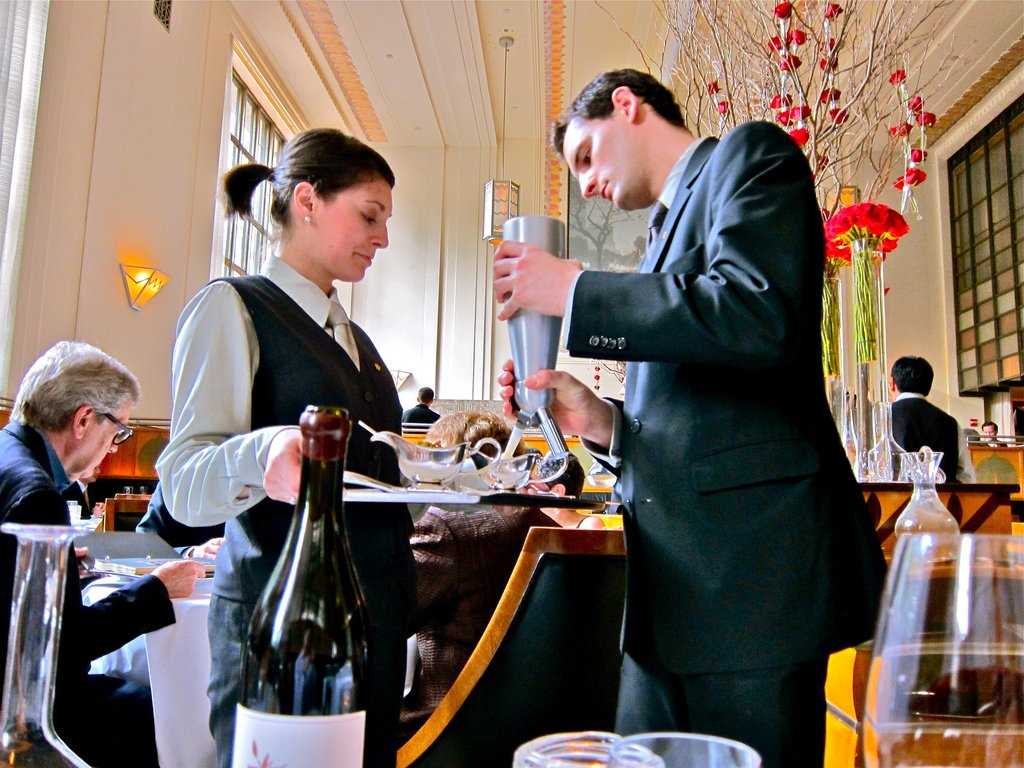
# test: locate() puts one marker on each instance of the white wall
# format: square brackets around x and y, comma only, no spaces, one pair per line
[125,170]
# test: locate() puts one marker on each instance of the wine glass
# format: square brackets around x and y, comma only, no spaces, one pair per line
[681,750]
[586,749]
[946,685]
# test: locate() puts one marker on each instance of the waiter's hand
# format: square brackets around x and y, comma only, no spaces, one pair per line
[526,277]
[208,549]
[284,466]
[575,407]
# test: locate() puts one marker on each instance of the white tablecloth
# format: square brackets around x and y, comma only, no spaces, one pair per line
[175,663]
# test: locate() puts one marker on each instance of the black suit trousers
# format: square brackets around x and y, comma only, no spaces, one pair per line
[779,711]
[100,703]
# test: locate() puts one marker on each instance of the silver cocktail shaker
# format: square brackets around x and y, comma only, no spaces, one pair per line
[534,337]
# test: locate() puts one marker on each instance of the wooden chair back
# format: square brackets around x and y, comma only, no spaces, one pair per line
[548,661]
[123,511]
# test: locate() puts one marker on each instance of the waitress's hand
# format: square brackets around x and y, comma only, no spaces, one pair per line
[284,466]
[575,407]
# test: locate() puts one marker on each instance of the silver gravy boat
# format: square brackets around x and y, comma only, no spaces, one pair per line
[421,464]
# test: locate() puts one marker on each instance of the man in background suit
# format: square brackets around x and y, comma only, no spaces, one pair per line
[917,423]
[191,541]
[421,413]
[69,413]
[750,554]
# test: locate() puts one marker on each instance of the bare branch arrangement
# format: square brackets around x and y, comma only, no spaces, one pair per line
[821,70]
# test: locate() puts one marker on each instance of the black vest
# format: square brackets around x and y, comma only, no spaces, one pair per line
[917,423]
[301,364]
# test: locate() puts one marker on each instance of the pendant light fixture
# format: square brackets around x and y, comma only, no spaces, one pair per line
[501,195]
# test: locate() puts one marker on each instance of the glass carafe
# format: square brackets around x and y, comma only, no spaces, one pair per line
[925,513]
[946,685]
[29,739]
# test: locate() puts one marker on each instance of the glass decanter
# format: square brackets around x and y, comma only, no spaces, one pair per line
[28,738]
[925,513]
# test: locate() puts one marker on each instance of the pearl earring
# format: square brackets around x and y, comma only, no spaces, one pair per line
[308,220]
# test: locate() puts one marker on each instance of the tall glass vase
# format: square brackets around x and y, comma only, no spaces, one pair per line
[872,366]
[832,350]
[28,738]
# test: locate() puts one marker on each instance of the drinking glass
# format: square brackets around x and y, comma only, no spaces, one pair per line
[586,749]
[946,685]
[28,738]
[681,750]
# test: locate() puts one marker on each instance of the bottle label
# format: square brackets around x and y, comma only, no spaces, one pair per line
[264,740]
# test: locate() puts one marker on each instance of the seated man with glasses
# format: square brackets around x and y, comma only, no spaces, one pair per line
[70,412]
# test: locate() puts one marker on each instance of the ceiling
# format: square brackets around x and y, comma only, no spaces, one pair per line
[431,71]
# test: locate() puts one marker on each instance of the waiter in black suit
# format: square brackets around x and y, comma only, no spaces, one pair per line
[751,556]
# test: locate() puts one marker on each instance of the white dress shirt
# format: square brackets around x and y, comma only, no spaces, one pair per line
[212,468]
[964,465]
[666,198]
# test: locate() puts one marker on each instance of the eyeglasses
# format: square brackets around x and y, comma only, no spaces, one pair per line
[123,430]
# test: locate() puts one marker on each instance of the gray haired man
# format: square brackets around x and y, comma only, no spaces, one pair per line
[72,408]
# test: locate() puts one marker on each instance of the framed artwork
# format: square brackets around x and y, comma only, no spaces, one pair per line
[603,237]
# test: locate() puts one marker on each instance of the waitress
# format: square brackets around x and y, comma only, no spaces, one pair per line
[250,354]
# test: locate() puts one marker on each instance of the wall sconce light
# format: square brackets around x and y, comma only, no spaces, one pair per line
[142,284]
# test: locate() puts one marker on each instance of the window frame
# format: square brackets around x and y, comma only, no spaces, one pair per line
[976,273]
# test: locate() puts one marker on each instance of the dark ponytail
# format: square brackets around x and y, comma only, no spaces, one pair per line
[239,184]
[325,157]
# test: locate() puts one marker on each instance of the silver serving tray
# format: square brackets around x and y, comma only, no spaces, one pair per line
[442,497]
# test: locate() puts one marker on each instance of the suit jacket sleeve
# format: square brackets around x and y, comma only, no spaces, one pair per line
[762,237]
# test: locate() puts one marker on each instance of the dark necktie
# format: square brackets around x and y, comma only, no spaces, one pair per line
[654,223]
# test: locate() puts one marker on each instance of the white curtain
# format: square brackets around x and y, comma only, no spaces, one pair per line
[22,38]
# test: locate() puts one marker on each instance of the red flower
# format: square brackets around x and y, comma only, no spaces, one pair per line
[879,222]
[897,77]
[839,116]
[832,63]
[915,104]
[915,176]
[796,37]
[775,43]
[903,129]
[790,62]
[723,107]
[927,119]
[713,87]
[782,10]
[829,94]
[800,136]
[783,117]
[778,101]
[800,113]
[917,155]
[832,10]
[831,44]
